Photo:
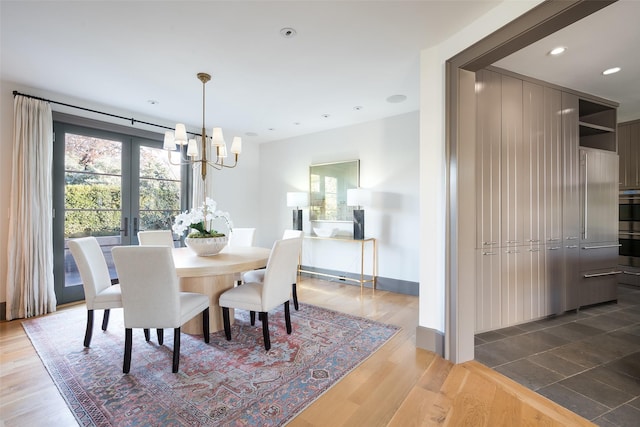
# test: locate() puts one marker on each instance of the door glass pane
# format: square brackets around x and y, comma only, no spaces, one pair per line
[159,198]
[93,196]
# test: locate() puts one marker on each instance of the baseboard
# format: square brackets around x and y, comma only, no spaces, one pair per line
[3,311]
[382,283]
[430,339]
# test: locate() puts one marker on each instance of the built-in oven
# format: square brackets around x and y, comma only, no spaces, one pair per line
[629,236]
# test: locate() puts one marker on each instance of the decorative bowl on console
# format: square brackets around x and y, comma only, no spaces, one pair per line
[325,232]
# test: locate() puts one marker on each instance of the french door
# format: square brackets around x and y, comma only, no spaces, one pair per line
[108,185]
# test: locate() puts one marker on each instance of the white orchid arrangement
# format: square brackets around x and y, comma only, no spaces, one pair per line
[201,220]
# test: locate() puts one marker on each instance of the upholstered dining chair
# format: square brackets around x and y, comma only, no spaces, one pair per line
[241,237]
[99,293]
[156,237]
[258,275]
[264,297]
[151,297]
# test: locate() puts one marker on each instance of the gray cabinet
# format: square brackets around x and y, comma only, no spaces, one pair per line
[570,200]
[628,135]
[488,159]
[598,196]
[546,189]
[512,164]
[488,291]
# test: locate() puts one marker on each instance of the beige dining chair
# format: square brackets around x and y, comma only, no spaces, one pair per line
[99,292]
[258,275]
[151,297]
[264,297]
[156,237]
[241,237]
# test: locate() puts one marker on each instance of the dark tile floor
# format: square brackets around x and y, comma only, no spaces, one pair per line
[587,361]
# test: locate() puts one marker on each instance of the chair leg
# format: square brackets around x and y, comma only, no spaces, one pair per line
[252,317]
[205,324]
[160,332]
[105,319]
[265,330]
[128,339]
[294,291]
[89,330]
[147,335]
[287,317]
[176,349]
[227,323]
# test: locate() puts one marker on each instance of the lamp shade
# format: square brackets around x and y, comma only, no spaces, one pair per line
[236,145]
[297,199]
[181,134]
[192,148]
[217,139]
[169,141]
[358,197]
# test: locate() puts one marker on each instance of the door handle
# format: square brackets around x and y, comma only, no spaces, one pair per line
[125,228]
[608,273]
[601,246]
[135,226]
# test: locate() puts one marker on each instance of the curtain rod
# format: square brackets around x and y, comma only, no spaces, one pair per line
[131,119]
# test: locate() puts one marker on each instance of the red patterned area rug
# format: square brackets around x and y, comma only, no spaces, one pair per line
[223,383]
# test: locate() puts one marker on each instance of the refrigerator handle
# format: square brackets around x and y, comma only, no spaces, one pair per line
[585,210]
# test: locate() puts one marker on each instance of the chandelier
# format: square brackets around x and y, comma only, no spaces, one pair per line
[195,156]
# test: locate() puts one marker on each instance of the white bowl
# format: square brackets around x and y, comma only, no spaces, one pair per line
[206,246]
[325,232]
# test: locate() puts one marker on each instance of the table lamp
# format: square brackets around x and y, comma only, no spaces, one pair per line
[358,197]
[297,199]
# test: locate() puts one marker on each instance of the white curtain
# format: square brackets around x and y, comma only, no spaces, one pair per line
[30,289]
[200,187]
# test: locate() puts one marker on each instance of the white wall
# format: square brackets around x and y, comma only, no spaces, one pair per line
[389,167]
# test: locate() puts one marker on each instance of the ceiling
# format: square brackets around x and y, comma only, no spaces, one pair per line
[605,39]
[345,65]
[123,54]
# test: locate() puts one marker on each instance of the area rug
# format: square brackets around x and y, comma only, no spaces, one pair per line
[223,383]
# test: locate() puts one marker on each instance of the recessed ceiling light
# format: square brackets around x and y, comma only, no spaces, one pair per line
[325,116]
[296,123]
[251,134]
[153,102]
[358,107]
[611,71]
[288,32]
[395,99]
[557,51]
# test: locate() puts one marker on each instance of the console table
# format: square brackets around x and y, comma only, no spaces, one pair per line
[362,280]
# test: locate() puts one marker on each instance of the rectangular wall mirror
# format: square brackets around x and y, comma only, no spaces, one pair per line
[328,185]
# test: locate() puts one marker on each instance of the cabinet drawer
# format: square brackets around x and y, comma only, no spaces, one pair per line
[596,257]
[628,277]
[598,286]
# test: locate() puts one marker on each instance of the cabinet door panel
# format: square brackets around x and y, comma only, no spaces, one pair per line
[626,173]
[553,181]
[534,292]
[570,140]
[598,196]
[488,295]
[512,286]
[571,276]
[532,175]
[512,162]
[488,159]
[555,280]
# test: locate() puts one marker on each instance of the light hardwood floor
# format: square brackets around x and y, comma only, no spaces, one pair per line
[398,385]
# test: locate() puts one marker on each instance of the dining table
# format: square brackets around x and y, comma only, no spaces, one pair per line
[213,275]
